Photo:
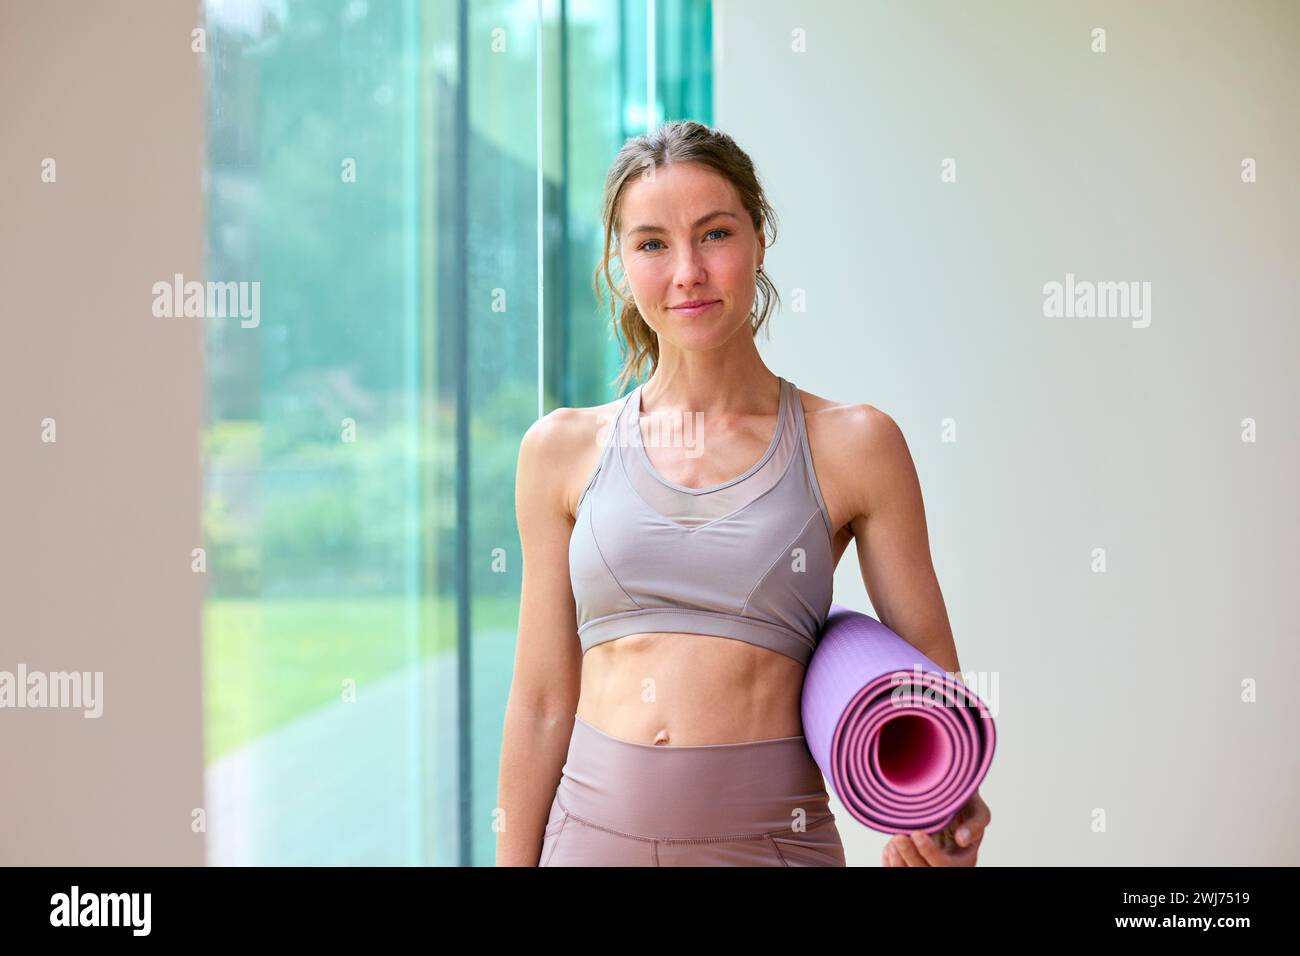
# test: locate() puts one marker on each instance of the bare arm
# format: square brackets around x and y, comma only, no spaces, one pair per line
[548,660]
[894,554]
[893,541]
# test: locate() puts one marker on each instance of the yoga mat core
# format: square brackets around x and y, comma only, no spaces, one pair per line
[911,753]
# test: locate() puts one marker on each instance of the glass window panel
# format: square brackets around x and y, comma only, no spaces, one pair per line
[373,168]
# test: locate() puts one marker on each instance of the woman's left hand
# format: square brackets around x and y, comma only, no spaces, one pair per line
[920,849]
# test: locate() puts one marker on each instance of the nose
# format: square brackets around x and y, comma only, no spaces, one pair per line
[688,268]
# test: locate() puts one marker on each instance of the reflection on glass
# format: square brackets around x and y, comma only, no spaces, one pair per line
[374,167]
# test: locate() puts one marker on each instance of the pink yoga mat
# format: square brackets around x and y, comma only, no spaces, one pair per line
[902,748]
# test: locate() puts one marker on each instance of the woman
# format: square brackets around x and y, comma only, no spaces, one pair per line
[698,569]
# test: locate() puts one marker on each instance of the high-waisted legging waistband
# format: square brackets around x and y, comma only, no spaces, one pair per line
[705,791]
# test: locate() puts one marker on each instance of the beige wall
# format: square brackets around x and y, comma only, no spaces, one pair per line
[1119,691]
[98,526]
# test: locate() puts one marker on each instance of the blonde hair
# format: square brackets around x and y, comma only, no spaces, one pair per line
[678,141]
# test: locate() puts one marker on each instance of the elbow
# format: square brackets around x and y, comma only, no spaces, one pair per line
[545,708]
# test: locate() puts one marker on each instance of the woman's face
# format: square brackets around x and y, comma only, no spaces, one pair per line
[686,238]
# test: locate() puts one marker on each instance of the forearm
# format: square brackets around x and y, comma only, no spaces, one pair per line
[533,749]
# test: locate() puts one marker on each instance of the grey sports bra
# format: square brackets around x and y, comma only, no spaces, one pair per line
[749,559]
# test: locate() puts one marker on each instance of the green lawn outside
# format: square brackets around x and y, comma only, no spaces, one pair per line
[266,662]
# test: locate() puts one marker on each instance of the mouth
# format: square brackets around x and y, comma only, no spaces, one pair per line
[696,306]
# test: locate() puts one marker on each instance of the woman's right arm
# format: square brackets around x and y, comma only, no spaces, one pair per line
[548,659]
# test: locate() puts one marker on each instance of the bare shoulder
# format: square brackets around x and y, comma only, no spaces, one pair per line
[856,445]
[561,448]
[850,426]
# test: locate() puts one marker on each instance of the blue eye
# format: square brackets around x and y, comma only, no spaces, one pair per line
[725,233]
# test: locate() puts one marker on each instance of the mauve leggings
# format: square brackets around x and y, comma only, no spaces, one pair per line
[755,803]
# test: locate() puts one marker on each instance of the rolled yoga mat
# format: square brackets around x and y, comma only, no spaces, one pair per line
[903,744]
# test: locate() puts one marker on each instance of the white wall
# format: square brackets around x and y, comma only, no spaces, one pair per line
[1118,690]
